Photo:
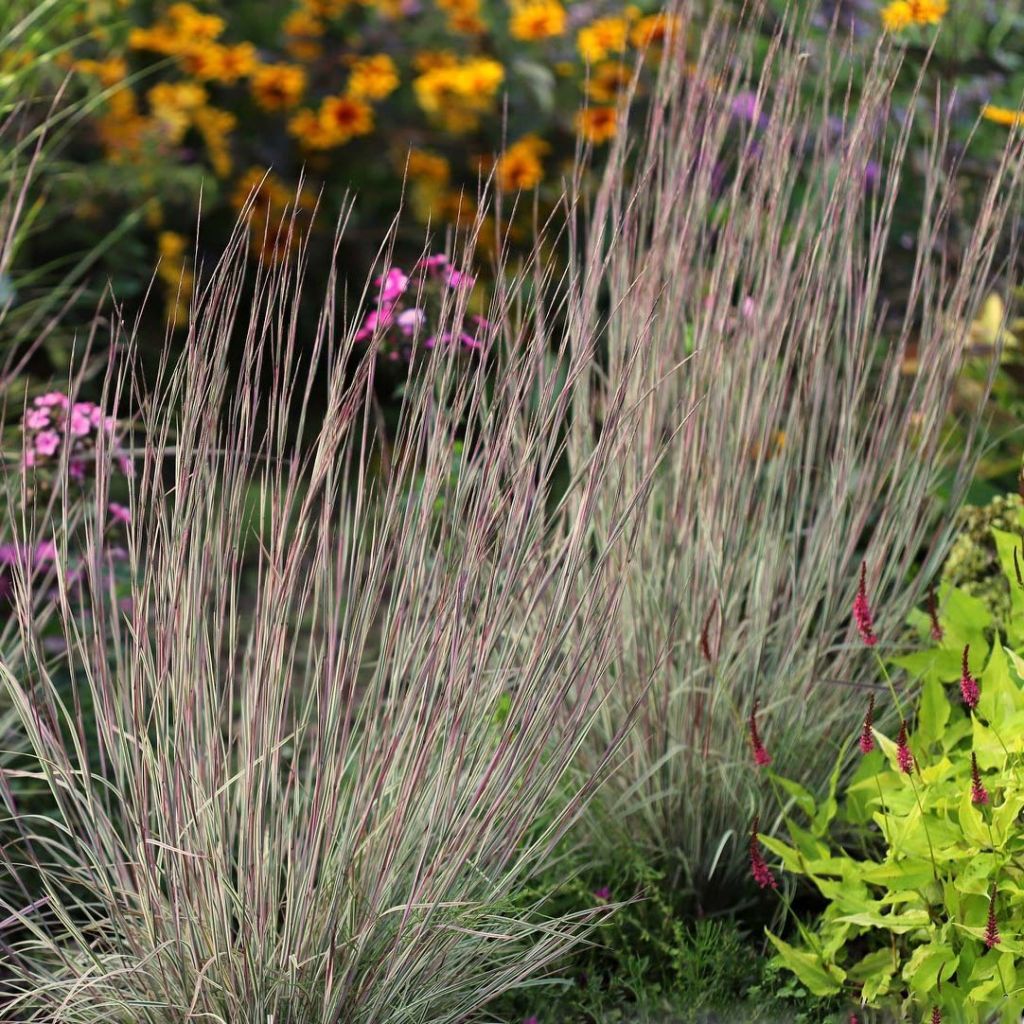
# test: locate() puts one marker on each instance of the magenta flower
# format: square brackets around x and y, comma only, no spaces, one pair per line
[81,423]
[758,867]
[992,938]
[375,320]
[47,442]
[52,398]
[761,755]
[37,419]
[979,795]
[392,284]
[410,320]
[119,513]
[867,738]
[862,610]
[936,1015]
[603,894]
[904,758]
[436,262]
[969,689]
[457,279]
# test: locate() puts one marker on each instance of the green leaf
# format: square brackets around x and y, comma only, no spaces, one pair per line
[933,713]
[927,964]
[809,968]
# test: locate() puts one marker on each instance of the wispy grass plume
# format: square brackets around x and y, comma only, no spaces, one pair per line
[753,243]
[323,760]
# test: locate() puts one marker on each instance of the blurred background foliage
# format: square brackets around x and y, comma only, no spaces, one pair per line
[173,115]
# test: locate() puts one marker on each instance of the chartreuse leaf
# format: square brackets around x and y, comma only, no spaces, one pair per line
[819,979]
[1000,695]
[801,796]
[975,828]
[933,712]
[1006,545]
[965,620]
[928,964]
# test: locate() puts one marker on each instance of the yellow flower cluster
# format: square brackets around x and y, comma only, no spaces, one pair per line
[1002,115]
[177,279]
[532,20]
[463,16]
[519,167]
[900,14]
[457,92]
[341,118]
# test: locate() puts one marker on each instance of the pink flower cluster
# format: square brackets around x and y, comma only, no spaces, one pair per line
[404,305]
[53,420]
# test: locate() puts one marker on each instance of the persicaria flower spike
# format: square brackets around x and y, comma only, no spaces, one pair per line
[936,1015]
[862,610]
[968,684]
[933,614]
[991,928]
[904,758]
[761,755]
[758,868]
[867,739]
[979,795]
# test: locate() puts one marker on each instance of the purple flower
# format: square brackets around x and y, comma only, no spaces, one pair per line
[604,894]
[119,513]
[37,419]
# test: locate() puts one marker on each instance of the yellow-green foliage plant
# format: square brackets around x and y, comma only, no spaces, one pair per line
[926,905]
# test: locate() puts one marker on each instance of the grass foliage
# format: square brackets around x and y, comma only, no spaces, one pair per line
[357,699]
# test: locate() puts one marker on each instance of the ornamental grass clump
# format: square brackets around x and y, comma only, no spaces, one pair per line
[920,859]
[327,750]
[755,252]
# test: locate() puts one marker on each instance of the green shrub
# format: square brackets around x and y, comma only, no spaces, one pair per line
[926,893]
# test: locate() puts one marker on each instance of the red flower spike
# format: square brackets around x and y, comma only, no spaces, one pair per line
[969,689]
[862,610]
[979,795]
[991,927]
[936,1015]
[761,755]
[758,868]
[904,758]
[867,739]
[933,614]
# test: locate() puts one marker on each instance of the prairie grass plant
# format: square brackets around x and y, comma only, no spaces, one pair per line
[367,683]
[754,250]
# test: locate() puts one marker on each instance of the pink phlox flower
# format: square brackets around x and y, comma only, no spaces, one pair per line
[392,284]
[81,419]
[437,262]
[47,442]
[53,398]
[375,319]
[37,419]
[119,513]
[458,279]
[410,320]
